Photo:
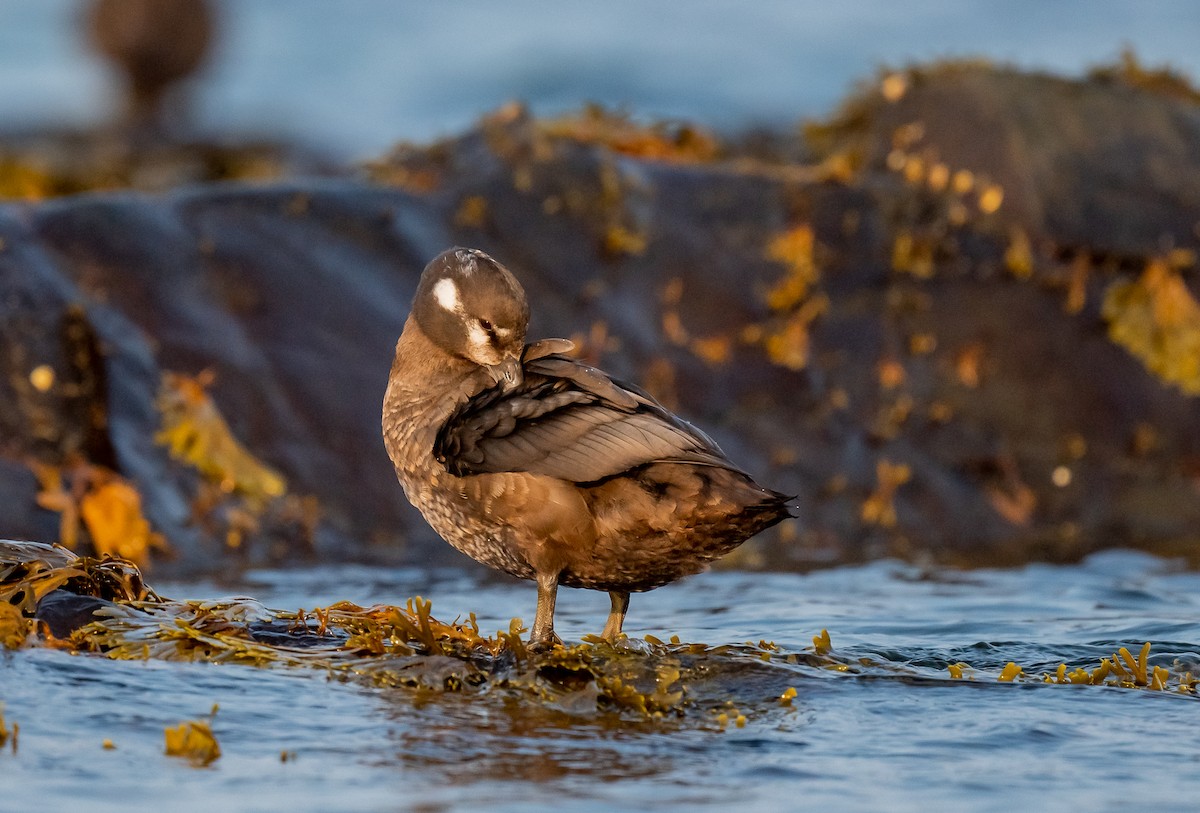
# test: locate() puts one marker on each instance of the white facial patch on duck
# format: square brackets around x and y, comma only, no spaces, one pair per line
[479,346]
[446,294]
[478,337]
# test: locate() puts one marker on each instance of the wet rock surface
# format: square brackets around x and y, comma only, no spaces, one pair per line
[909,331]
[1106,166]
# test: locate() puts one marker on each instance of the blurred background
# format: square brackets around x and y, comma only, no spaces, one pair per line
[352,78]
[931,266]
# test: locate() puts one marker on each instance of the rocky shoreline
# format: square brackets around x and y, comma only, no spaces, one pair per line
[959,319]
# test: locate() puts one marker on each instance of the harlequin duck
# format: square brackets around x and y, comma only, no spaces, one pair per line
[536,464]
[155,44]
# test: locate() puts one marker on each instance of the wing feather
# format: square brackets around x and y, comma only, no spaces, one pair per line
[567,420]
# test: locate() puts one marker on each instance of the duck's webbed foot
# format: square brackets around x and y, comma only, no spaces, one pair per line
[540,645]
[543,636]
[616,616]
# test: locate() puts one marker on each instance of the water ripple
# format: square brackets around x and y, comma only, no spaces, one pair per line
[891,729]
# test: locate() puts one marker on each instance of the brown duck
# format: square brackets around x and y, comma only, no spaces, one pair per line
[538,465]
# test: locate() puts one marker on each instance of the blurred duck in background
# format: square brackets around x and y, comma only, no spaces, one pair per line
[155,45]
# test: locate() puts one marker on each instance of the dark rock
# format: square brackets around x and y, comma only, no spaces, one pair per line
[63,612]
[1103,166]
[945,405]
[246,283]
[279,633]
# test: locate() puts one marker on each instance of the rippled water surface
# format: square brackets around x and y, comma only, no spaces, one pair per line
[897,733]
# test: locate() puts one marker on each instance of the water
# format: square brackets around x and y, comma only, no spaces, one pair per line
[356,76]
[898,735]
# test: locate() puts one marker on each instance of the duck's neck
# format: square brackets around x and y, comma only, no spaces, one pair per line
[425,386]
[422,368]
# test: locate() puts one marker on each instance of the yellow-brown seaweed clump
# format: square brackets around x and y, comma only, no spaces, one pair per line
[663,141]
[1157,319]
[34,169]
[408,649]
[1122,669]
[14,627]
[97,498]
[1163,79]
[193,740]
[29,571]
[6,733]
[195,432]
[792,301]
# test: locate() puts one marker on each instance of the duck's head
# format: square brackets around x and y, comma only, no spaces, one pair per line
[473,308]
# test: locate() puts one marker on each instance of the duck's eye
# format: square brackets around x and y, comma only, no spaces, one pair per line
[489,329]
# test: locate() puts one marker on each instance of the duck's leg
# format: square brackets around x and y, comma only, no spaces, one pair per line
[616,616]
[543,636]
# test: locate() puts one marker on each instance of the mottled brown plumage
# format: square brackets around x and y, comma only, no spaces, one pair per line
[543,467]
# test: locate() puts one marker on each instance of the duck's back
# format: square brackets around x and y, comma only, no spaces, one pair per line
[651,497]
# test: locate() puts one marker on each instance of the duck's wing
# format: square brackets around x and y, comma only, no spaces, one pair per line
[570,421]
